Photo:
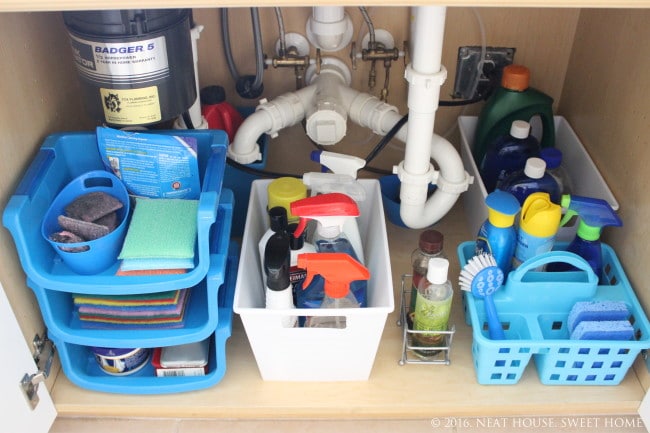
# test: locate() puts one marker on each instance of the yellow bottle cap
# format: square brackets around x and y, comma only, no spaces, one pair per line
[284,190]
[540,217]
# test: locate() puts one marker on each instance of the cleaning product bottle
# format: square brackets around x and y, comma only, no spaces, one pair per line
[554,166]
[279,293]
[594,214]
[338,270]
[533,178]
[430,245]
[218,113]
[513,100]
[278,224]
[284,190]
[298,246]
[497,235]
[538,224]
[508,153]
[432,308]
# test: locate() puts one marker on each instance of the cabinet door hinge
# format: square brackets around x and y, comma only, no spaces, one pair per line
[43,354]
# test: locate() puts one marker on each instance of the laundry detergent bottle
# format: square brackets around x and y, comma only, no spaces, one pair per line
[497,235]
[337,270]
[331,212]
[513,100]
[594,214]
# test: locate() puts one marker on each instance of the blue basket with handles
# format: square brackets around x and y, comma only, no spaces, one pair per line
[533,307]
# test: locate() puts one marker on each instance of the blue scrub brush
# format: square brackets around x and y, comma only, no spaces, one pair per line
[482,277]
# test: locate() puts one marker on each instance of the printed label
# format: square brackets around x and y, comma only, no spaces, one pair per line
[431,315]
[131,106]
[122,62]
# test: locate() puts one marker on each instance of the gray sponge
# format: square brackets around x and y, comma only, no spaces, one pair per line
[92,206]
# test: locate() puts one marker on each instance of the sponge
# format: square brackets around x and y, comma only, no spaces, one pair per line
[597,311]
[603,330]
[161,229]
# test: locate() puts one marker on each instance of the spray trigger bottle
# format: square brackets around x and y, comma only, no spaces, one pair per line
[331,212]
[594,214]
[337,270]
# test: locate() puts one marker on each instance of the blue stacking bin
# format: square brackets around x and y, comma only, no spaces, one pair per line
[80,366]
[65,156]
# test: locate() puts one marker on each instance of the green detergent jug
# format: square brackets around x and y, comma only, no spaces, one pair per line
[513,100]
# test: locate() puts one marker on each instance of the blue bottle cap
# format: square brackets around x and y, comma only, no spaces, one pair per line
[552,156]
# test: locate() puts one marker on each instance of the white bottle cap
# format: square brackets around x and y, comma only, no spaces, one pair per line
[520,129]
[535,168]
[437,270]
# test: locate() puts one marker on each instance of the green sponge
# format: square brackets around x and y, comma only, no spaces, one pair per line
[161,228]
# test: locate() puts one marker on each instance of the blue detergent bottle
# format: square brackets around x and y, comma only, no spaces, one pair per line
[533,178]
[508,153]
[497,235]
[331,212]
[594,214]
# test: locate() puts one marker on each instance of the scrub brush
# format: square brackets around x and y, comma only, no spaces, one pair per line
[482,277]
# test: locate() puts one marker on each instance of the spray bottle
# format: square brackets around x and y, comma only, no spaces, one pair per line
[538,225]
[497,235]
[338,270]
[279,293]
[331,212]
[594,214]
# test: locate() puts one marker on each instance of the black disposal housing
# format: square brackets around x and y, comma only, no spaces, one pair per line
[136,67]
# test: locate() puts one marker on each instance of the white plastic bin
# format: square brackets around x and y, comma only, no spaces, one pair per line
[313,354]
[585,177]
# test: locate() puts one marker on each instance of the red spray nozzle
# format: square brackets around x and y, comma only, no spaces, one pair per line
[330,208]
[337,269]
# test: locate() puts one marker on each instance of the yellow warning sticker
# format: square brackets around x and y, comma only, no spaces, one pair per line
[131,106]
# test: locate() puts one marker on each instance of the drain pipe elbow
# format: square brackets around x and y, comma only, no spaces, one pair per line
[269,118]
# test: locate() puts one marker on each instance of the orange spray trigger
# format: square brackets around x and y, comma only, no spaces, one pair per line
[337,269]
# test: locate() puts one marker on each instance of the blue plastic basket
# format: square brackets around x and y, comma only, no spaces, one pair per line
[533,308]
[80,367]
[201,318]
[65,156]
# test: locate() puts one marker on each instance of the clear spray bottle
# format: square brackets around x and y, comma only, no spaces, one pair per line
[338,270]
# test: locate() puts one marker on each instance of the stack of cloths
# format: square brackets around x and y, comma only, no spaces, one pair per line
[153,310]
[161,235]
[88,217]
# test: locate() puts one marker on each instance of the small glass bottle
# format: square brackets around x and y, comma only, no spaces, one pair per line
[430,245]
[432,308]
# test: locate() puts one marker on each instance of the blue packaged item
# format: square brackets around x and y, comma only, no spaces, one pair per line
[508,153]
[497,235]
[594,214]
[533,178]
[152,165]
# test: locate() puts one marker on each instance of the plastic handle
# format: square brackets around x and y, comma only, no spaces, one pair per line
[213,178]
[96,178]
[552,257]
[35,173]
[494,325]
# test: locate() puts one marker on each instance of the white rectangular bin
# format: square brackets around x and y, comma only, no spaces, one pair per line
[315,354]
[585,177]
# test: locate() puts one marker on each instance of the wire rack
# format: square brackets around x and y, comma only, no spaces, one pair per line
[440,354]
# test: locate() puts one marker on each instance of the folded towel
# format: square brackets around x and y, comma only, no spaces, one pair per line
[603,330]
[157,298]
[595,311]
[152,264]
[161,229]
[123,273]
[92,206]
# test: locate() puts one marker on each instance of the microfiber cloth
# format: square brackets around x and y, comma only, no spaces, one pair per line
[603,330]
[124,273]
[147,310]
[161,229]
[596,311]
[157,298]
[92,206]
[131,265]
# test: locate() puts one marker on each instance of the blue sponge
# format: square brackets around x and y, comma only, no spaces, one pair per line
[597,311]
[603,330]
